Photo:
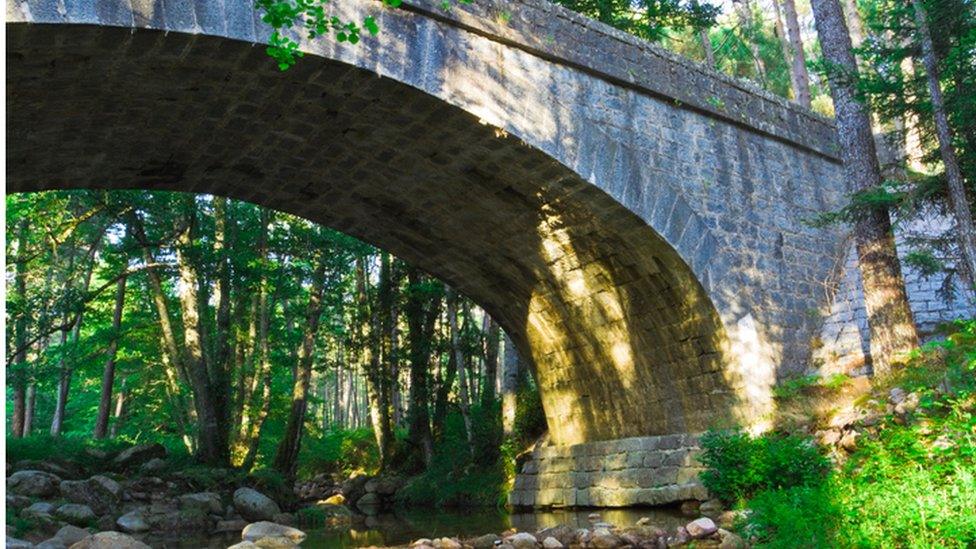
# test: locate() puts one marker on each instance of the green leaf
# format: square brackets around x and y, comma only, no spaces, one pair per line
[370,24]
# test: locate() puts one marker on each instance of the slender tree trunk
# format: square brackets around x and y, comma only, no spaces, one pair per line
[66,366]
[798,62]
[262,365]
[458,358]
[965,232]
[286,457]
[420,325]
[120,401]
[491,361]
[747,23]
[377,381]
[29,408]
[108,374]
[212,446]
[892,329]
[510,378]
[853,19]
[19,377]
[220,366]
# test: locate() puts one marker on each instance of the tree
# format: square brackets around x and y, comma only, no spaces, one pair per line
[892,328]
[108,376]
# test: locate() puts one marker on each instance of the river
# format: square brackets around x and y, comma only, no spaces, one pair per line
[402,527]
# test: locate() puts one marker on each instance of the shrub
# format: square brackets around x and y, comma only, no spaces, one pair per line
[801,516]
[340,454]
[738,465]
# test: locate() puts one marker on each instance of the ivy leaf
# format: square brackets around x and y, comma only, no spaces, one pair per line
[370,24]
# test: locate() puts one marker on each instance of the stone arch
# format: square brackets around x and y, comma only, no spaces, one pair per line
[624,338]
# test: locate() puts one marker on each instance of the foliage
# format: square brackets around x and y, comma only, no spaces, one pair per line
[340,453]
[72,447]
[912,484]
[739,465]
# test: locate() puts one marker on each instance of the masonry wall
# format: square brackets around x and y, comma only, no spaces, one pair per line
[616,473]
[843,345]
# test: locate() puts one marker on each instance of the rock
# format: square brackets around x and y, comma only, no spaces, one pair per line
[829,437]
[40,484]
[245,545]
[105,523]
[446,543]
[76,513]
[701,528]
[17,502]
[137,455]
[224,526]
[335,499]
[265,529]
[53,543]
[208,502]
[14,543]
[594,517]
[370,503]
[71,535]
[690,507]
[562,533]
[421,541]
[154,465]
[730,540]
[711,507]
[604,525]
[69,471]
[523,540]
[99,492]
[603,539]
[42,508]
[552,543]
[354,488]
[680,537]
[908,405]
[486,541]
[184,520]
[287,519]
[255,506]
[896,395]
[849,441]
[110,540]
[133,522]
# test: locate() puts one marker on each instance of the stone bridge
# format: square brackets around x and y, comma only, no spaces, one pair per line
[632,219]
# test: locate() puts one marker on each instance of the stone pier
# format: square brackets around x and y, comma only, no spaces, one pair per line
[627,472]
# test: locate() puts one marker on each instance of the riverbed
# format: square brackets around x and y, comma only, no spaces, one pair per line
[402,527]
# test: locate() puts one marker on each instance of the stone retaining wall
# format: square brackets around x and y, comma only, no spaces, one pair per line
[616,473]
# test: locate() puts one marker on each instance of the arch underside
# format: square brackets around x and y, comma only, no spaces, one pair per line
[624,340]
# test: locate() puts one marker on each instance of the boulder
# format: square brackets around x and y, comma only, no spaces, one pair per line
[33,483]
[153,466]
[354,488]
[208,502]
[68,470]
[270,534]
[730,540]
[603,539]
[137,455]
[245,545]
[562,533]
[17,502]
[53,543]
[76,513]
[335,499]
[711,507]
[255,506]
[523,540]
[14,543]
[701,528]
[486,541]
[680,537]
[690,507]
[99,492]
[551,543]
[110,540]
[133,522]
[446,543]
[41,508]
[370,503]
[71,535]
[384,486]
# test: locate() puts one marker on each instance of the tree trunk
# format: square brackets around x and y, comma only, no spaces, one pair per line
[892,329]
[491,361]
[19,377]
[212,441]
[108,374]
[260,327]
[747,23]
[377,388]
[29,407]
[510,379]
[798,62]
[420,324]
[220,366]
[458,359]
[119,411]
[287,455]
[965,232]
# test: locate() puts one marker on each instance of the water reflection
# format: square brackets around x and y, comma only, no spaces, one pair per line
[402,527]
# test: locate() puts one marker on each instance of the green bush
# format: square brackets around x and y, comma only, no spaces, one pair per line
[340,454]
[801,516]
[70,447]
[738,465]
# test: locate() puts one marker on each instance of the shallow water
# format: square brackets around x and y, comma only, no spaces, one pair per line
[405,526]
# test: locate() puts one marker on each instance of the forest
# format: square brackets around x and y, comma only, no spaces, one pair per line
[244,347]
